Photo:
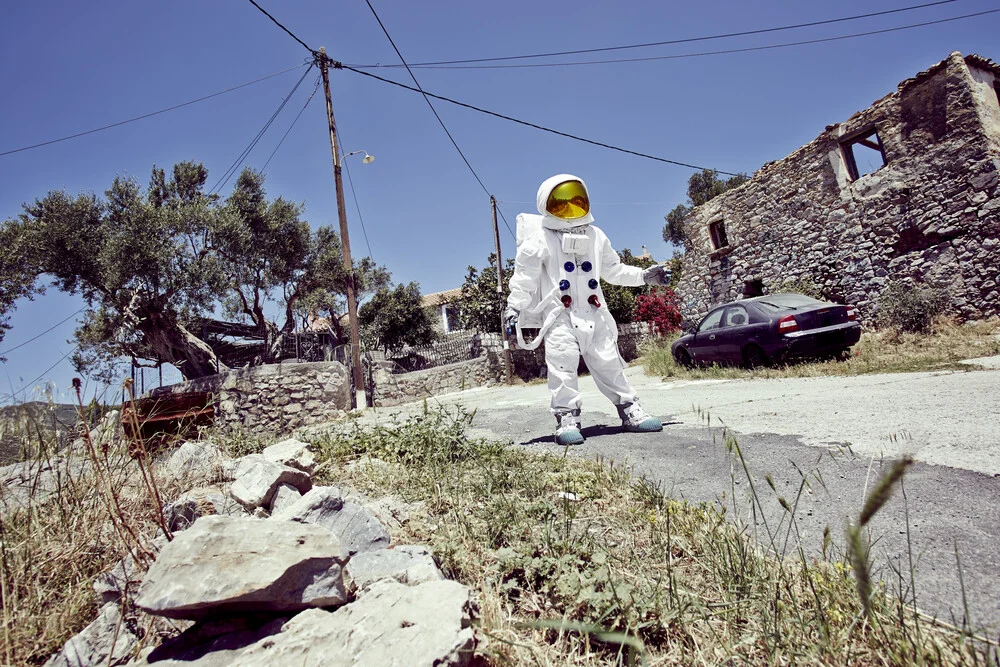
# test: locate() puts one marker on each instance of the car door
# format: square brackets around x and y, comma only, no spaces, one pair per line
[703,346]
[733,333]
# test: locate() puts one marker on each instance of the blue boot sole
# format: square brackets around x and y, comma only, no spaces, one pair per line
[569,438]
[650,425]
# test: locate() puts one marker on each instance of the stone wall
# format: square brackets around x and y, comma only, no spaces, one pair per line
[488,369]
[276,398]
[930,215]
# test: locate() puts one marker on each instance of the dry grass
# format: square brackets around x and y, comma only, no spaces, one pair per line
[620,573]
[886,351]
[101,504]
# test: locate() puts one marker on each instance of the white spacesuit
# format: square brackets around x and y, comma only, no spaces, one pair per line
[556,287]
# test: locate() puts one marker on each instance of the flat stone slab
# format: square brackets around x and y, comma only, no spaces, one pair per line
[105,641]
[292,453]
[393,626]
[410,565]
[257,480]
[357,529]
[226,564]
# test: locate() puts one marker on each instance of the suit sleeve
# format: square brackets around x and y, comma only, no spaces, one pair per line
[612,268]
[525,280]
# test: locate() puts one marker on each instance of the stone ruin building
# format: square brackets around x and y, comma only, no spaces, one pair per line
[908,189]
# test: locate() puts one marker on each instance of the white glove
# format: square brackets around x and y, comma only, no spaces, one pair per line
[510,320]
[656,275]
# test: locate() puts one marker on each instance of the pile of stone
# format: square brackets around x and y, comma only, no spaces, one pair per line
[272,571]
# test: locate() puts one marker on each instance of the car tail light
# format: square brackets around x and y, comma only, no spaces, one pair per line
[787,324]
[852,313]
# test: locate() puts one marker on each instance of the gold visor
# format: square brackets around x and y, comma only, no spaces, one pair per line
[568,201]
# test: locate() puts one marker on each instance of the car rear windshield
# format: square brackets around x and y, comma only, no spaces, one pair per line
[776,302]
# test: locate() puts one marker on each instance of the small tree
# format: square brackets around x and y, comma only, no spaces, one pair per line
[702,187]
[659,310]
[482,306]
[394,318]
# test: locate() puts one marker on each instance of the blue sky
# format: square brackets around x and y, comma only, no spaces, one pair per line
[68,67]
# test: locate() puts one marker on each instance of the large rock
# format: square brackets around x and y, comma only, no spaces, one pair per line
[196,460]
[284,496]
[292,453]
[196,503]
[226,564]
[410,565]
[124,578]
[357,529]
[393,626]
[257,479]
[106,641]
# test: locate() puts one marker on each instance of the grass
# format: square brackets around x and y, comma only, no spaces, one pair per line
[885,351]
[580,562]
[572,561]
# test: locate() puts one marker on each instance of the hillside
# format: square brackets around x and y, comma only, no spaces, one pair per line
[24,421]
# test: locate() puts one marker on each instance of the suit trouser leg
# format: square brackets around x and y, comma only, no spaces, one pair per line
[562,358]
[608,368]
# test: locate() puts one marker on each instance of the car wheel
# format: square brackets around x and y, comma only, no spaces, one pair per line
[683,357]
[754,357]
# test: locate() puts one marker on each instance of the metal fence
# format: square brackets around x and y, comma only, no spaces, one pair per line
[449,350]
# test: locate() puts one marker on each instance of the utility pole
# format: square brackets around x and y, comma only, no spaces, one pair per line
[503,329]
[345,241]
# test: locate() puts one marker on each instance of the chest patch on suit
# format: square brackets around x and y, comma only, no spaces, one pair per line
[575,244]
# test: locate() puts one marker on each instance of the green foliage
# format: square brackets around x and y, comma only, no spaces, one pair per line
[621,301]
[482,306]
[702,187]
[706,185]
[673,231]
[394,318]
[151,262]
[908,307]
[17,278]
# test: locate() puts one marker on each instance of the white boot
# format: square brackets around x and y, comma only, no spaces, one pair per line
[635,419]
[568,428]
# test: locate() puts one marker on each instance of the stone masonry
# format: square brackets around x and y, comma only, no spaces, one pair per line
[276,398]
[930,215]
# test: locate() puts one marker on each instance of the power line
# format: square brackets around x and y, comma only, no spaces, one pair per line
[719,52]
[253,143]
[43,373]
[506,224]
[427,99]
[419,89]
[358,208]
[672,41]
[534,125]
[291,126]
[39,335]
[148,115]
[278,23]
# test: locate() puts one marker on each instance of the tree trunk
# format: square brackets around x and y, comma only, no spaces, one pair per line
[172,343]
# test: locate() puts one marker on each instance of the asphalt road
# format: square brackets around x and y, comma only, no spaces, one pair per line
[842,434]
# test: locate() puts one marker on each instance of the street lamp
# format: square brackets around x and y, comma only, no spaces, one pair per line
[368,159]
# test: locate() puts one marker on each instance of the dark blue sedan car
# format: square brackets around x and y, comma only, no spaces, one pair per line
[769,329]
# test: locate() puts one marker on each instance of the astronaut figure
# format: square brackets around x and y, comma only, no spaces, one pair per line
[556,287]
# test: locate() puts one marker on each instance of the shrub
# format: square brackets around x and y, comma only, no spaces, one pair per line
[908,307]
[659,310]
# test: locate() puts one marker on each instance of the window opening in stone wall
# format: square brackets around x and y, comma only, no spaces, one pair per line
[753,287]
[717,230]
[863,153]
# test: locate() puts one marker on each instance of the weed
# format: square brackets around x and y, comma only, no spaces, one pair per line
[887,351]
[578,561]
